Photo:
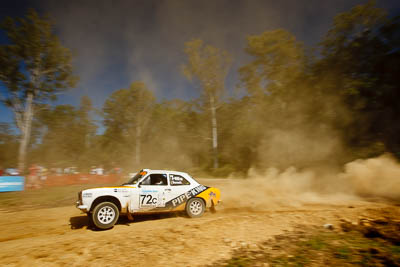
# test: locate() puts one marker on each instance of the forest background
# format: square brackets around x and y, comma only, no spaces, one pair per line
[308,107]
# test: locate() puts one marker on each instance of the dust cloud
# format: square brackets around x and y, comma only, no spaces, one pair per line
[378,177]
[273,188]
[145,42]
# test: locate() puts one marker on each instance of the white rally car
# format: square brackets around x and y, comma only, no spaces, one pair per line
[148,191]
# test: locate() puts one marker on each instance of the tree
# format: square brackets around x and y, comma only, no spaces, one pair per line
[34,67]
[209,66]
[351,26]
[277,108]
[278,59]
[87,127]
[8,146]
[361,55]
[126,115]
[62,141]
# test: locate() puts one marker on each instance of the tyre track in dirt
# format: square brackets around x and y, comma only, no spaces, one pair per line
[60,237]
[44,237]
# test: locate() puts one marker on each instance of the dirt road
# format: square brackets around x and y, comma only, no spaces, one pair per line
[59,236]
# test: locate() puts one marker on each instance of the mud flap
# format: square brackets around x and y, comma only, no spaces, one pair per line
[128,214]
[212,208]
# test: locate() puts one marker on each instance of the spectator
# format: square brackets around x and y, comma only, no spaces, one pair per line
[43,173]
[100,170]
[93,170]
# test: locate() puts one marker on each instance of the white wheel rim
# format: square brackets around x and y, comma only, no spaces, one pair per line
[106,215]
[196,207]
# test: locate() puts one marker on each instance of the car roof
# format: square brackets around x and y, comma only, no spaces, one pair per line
[187,176]
[165,171]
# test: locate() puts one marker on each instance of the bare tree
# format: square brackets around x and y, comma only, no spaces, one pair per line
[209,66]
[34,67]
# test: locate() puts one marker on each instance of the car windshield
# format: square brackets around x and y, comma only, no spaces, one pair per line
[136,178]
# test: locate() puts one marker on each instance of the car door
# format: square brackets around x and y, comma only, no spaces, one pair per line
[153,191]
[180,190]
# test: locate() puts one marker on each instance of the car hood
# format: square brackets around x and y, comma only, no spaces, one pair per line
[110,189]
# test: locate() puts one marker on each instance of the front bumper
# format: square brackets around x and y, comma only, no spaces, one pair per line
[83,208]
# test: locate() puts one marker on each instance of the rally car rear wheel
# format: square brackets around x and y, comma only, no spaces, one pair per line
[195,207]
[105,215]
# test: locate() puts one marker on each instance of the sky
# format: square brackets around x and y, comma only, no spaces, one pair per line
[118,42]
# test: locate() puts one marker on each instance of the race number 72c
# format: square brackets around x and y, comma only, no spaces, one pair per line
[147,200]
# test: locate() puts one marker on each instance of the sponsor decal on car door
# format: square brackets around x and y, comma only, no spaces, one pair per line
[153,192]
[182,198]
[182,191]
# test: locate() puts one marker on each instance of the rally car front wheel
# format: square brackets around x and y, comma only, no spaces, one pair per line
[195,207]
[105,215]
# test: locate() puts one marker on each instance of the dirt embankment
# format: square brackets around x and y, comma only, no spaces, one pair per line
[59,236]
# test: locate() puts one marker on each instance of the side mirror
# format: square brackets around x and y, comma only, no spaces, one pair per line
[139,185]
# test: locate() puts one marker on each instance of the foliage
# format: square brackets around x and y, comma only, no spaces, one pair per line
[8,147]
[278,59]
[34,67]
[126,118]
[65,135]
[361,54]
[297,108]
[209,66]
[34,61]
[316,247]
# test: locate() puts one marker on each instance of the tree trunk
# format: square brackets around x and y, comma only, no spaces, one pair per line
[214,131]
[138,143]
[25,132]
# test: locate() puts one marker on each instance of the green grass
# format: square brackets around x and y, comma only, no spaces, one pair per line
[343,253]
[238,262]
[298,260]
[395,250]
[319,247]
[316,243]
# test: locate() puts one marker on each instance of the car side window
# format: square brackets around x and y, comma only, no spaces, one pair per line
[155,179]
[177,180]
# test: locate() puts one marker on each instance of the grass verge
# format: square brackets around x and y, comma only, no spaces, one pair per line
[318,247]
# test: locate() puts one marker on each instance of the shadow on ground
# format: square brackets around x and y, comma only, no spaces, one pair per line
[82,221]
[78,222]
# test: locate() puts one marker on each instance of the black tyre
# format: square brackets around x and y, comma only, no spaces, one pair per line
[105,215]
[195,207]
